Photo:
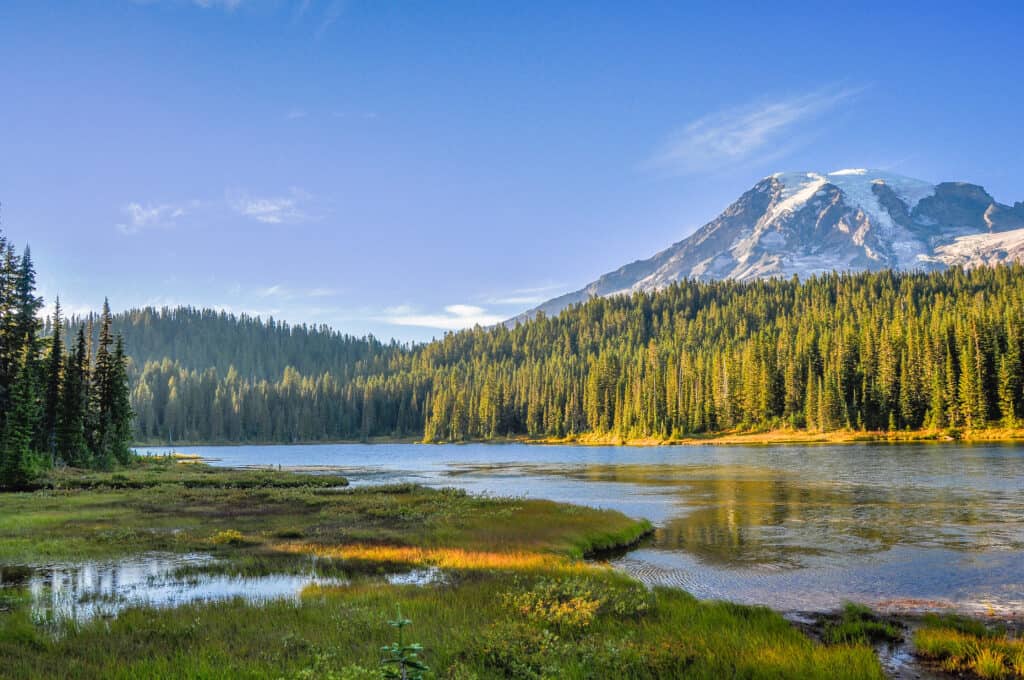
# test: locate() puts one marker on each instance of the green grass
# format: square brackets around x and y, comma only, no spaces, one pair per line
[857,624]
[466,628]
[517,600]
[963,645]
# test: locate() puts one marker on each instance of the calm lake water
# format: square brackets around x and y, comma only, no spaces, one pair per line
[903,527]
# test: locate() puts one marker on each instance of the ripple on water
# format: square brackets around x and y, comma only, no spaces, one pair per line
[789,526]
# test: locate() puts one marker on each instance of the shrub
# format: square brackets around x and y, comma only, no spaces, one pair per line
[228,537]
[520,650]
[572,603]
[989,664]
[859,625]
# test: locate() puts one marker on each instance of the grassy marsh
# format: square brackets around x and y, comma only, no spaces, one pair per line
[517,600]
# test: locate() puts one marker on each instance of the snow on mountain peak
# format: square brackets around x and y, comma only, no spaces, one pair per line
[858,187]
[804,223]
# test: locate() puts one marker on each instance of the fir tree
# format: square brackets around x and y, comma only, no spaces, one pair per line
[53,378]
[120,405]
[18,462]
[72,445]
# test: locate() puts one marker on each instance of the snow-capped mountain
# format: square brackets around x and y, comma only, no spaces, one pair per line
[805,223]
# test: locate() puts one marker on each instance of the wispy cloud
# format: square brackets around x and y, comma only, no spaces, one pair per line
[67,309]
[331,14]
[228,5]
[455,317]
[287,209]
[283,292]
[361,115]
[291,207]
[296,114]
[751,133]
[141,216]
[527,296]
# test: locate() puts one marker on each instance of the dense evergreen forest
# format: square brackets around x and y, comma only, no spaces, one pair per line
[872,351]
[56,407]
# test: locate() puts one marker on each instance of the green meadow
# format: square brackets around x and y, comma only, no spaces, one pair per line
[517,599]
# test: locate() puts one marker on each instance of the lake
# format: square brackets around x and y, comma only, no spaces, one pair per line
[902,527]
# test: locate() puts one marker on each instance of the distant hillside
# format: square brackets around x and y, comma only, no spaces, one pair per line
[875,351]
[257,349]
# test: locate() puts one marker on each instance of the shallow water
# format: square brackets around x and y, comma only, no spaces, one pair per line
[907,527]
[81,591]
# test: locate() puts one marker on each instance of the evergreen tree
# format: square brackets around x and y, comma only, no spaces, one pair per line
[53,378]
[72,445]
[18,462]
[121,415]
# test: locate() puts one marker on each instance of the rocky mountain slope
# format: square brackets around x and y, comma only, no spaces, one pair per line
[807,223]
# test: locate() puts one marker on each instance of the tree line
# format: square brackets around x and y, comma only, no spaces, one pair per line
[57,407]
[866,351]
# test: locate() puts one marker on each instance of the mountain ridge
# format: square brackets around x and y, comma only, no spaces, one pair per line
[806,223]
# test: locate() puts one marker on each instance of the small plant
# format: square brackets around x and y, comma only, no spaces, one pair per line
[859,625]
[228,537]
[401,661]
[990,664]
[963,645]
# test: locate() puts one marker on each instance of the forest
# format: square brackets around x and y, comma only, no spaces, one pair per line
[871,351]
[56,407]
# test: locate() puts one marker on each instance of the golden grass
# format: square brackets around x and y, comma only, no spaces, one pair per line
[445,558]
[988,656]
[788,436]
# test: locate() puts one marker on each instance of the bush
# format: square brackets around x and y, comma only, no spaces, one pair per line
[228,537]
[572,603]
[859,625]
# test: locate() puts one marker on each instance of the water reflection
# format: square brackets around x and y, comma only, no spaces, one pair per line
[86,590]
[788,526]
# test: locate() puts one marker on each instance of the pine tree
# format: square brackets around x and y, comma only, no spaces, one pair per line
[100,422]
[72,445]
[54,375]
[121,415]
[1009,389]
[18,462]
[28,305]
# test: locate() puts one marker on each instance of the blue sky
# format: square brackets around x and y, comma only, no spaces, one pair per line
[405,168]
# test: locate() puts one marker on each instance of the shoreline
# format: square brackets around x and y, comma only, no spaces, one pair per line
[728,438]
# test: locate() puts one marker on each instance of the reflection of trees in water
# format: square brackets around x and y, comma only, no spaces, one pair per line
[744,521]
[778,521]
[737,515]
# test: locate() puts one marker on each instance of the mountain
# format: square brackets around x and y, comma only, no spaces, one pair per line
[805,223]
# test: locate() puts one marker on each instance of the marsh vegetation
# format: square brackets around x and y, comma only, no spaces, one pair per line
[516,600]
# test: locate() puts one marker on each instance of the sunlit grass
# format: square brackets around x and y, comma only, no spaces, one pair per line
[961,645]
[468,630]
[518,600]
[444,558]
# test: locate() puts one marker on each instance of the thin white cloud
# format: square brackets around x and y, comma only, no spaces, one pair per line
[360,115]
[228,5]
[527,296]
[67,310]
[754,132]
[285,293]
[272,210]
[296,114]
[456,317]
[331,14]
[271,291]
[141,216]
